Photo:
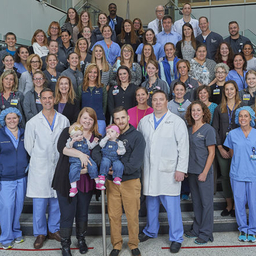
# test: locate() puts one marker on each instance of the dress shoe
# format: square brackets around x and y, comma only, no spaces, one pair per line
[143,237]
[175,247]
[114,252]
[39,241]
[135,252]
[225,212]
[55,236]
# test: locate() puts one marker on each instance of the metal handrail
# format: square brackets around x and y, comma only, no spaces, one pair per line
[50,5]
[177,7]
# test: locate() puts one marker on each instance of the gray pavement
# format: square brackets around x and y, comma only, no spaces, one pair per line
[225,243]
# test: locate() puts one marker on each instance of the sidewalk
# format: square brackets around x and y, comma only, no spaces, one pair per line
[225,243]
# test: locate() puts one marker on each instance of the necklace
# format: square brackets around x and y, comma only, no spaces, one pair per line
[137,118]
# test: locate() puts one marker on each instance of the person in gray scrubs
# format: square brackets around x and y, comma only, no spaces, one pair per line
[202,141]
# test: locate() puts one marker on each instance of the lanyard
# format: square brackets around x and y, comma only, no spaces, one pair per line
[230,116]
[242,80]
[156,123]
[144,72]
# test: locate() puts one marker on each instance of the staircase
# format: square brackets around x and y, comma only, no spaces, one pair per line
[95,222]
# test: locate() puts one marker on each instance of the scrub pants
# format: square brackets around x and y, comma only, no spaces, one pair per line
[102,127]
[12,195]
[202,199]
[244,192]
[39,216]
[172,207]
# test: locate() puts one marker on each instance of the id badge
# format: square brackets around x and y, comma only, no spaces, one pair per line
[253,157]
[227,133]
[38,101]
[14,102]
[181,109]
[216,92]
[53,79]
[246,96]
[115,92]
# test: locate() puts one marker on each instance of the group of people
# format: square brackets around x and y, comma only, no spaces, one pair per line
[87,108]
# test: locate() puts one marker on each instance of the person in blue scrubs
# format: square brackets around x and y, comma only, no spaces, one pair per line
[149,37]
[13,176]
[242,144]
[238,73]
[112,50]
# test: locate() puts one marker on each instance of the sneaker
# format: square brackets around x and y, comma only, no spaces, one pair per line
[101,179]
[190,234]
[19,240]
[251,238]
[7,246]
[100,186]
[185,197]
[200,241]
[242,237]
[73,192]
[117,181]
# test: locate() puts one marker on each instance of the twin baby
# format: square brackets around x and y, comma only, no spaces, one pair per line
[112,149]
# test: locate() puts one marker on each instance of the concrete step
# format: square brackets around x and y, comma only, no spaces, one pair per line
[95,218]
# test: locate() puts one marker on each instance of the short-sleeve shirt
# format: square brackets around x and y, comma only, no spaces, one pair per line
[198,147]
[242,168]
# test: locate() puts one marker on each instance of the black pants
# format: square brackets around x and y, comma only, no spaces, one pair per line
[78,208]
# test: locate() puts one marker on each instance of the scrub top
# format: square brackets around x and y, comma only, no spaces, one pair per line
[198,148]
[243,167]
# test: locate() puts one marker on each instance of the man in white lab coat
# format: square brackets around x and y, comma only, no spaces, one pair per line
[41,137]
[165,164]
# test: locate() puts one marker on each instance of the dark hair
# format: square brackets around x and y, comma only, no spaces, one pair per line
[119,109]
[144,36]
[53,41]
[141,88]
[202,87]
[206,111]
[193,40]
[8,54]
[203,17]
[51,54]
[233,22]
[140,30]
[10,34]
[200,45]
[244,59]
[151,57]
[16,56]
[179,83]
[133,36]
[65,30]
[77,16]
[107,26]
[218,57]
[172,44]
[46,89]
[112,4]
[167,17]
[117,74]
[159,91]
[102,13]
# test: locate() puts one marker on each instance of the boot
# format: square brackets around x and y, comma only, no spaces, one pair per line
[65,234]
[81,228]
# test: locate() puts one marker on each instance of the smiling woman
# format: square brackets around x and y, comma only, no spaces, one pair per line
[65,99]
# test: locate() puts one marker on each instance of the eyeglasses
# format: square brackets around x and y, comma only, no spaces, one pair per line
[34,61]
[126,51]
[54,28]
[220,72]
[38,79]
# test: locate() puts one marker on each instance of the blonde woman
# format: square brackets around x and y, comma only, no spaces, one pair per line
[99,58]
[127,57]
[10,96]
[93,94]
[65,99]
[34,63]
[39,43]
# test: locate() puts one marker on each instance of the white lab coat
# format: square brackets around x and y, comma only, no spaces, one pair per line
[167,151]
[41,144]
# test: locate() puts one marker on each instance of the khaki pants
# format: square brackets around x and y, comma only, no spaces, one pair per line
[127,195]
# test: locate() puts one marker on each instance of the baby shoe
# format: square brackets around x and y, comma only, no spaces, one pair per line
[117,181]
[100,186]
[73,192]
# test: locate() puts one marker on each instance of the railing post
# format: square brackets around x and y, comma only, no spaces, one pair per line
[104,234]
